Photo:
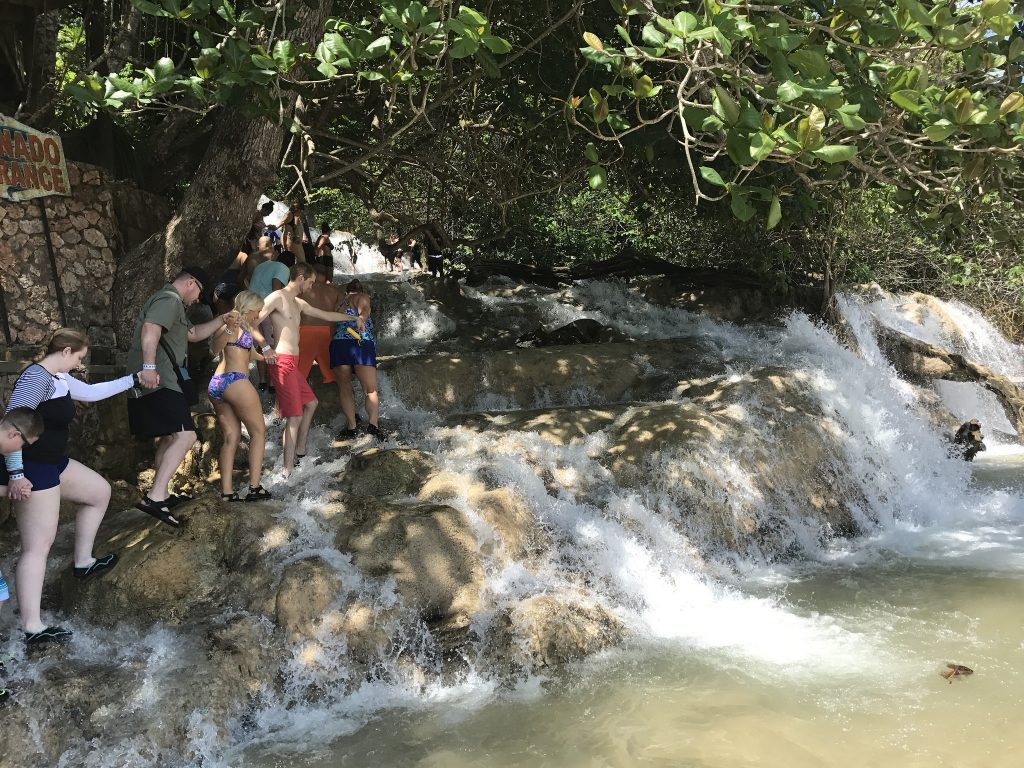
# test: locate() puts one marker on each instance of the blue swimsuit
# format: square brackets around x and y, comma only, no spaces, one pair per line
[347,350]
[221,381]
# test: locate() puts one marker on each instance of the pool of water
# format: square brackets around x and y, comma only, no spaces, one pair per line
[841,667]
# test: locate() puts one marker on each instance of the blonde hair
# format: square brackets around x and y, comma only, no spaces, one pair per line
[63,338]
[246,301]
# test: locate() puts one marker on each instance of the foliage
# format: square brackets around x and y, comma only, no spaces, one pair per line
[764,99]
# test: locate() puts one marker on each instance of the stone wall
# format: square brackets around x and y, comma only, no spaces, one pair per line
[87,236]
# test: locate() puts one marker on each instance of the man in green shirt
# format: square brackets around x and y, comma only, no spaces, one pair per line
[160,409]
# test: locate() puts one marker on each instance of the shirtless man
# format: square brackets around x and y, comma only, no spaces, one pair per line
[295,399]
[315,334]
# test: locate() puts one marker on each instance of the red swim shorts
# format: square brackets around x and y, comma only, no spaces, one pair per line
[293,391]
[315,344]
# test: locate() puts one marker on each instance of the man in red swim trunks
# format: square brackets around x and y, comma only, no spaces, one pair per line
[295,400]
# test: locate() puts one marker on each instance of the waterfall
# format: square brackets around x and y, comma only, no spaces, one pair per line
[642,551]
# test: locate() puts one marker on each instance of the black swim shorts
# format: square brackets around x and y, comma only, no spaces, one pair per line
[163,412]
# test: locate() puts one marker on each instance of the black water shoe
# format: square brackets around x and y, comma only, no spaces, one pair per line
[158,509]
[47,636]
[5,696]
[373,429]
[259,493]
[100,566]
[348,434]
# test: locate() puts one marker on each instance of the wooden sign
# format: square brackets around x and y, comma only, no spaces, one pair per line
[31,162]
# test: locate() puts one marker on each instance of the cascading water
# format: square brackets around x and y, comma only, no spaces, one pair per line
[750,634]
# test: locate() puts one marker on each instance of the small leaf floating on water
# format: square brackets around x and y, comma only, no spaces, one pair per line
[956,670]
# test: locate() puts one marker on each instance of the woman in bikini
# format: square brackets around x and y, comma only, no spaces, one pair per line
[236,401]
[354,350]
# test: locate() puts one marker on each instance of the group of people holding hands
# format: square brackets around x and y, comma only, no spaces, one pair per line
[37,473]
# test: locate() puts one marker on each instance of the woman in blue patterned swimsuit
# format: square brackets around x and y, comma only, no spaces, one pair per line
[236,401]
[354,350]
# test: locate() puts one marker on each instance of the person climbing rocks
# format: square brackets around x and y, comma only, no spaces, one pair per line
[295,400]
[325,251]
[18,428]
[315,334]
[49,389]
[235,399]
[354,350]
[162,407]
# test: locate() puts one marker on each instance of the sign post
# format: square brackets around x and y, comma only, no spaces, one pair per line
[32,166]
[31,163]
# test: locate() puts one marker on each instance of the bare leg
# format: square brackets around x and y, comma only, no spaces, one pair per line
[307,419]
[177,445]
[88,488]
[37,524]
[245,402]
[291,437]
[343,375]
[232,431]
[367,376]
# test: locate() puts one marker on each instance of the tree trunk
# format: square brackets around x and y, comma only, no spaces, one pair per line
[218,207]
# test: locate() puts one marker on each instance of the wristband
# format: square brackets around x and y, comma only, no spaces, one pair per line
[266,348]
[135,380]
[228,331]
[17,474]
[149,366]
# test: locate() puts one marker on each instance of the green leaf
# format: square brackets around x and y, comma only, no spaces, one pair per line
[725,106]
[991,8]
[761,145]
[596,177]
[774,212]
[940,130]
[907,99]
[1011,103]
[284,54]
[593,41]
[741,207]
[617,122]
[712,176]
[810,61]
[600,110]
[653,36]
[643,86]
[496,45]
[470,16]
[685,22]
[488,64]
[378,47]
[850,120]
[835,153]
[789,91]
[591,152]
[916,11]
[463,47]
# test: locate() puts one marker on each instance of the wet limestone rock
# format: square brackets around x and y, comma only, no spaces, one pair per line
[307,590]
[920,361]
[517,535]
[522,378]
[215,560]
[378,473]
[430,550]
[551,630]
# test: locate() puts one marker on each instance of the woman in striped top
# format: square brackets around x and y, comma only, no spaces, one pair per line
[45,468]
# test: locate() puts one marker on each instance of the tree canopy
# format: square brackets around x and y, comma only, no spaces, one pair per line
[443,113]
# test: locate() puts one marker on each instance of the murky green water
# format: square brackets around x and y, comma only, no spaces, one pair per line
[840,668]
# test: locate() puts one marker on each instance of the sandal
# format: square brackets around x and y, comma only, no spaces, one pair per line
[259,493]
[100,566]
[48,635]
[233,496]
[158,509]
[174,500]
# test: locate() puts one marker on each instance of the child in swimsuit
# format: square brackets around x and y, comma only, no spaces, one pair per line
[235,399]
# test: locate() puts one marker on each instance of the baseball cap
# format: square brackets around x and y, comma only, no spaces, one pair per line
[205,284]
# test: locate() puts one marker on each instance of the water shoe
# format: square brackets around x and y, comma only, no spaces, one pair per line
[99,566]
